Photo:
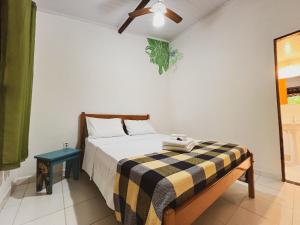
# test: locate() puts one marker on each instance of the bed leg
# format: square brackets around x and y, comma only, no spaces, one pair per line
[169,217]
[250,179]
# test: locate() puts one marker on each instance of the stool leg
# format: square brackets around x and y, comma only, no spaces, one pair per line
[68,168]
[39,176]
[49,179]
[76,168]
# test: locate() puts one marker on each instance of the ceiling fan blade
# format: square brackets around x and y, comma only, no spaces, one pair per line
[139,12]
[142,4]
[173,16]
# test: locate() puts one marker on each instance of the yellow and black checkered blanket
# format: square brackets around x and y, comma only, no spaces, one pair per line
[145,186]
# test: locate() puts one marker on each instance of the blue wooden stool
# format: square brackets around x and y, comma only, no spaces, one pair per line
[46,162]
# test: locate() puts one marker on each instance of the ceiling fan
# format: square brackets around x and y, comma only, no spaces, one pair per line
[159,10]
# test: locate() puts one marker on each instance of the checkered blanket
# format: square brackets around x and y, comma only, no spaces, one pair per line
[145,186]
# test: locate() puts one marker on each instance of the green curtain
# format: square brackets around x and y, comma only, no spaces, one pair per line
[17,35]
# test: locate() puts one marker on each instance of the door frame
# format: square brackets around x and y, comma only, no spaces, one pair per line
[279,110]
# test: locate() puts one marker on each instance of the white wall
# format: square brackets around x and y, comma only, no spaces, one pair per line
[85,67]
[224,87]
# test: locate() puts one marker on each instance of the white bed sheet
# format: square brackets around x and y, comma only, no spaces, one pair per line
[102,155]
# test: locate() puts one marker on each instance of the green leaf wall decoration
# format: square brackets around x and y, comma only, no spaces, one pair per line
[162,54]
[175,56]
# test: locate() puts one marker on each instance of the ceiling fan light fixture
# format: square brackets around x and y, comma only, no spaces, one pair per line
[159,7]
[158,20]
[159,10]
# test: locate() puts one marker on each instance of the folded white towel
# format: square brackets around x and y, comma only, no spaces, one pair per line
[180,146]
[177,143]
[188,148]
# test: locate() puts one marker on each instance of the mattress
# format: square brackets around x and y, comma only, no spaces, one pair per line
[145,186]
[103,154]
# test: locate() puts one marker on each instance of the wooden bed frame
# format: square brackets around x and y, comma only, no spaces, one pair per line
[189,211]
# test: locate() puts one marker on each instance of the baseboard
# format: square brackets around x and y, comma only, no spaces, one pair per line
[22,180]
[267,174]
[31,178]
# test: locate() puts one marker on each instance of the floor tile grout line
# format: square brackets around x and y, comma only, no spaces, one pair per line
[250,210]
[19,206]
[231,216]
[27,188]
[78,203]
[100,219]
[294,197]
[267,186]
[274,189]
[39,216]
[62,190]
[260,216]
[276,199]
[277,193]
[75,204]
[239,204]
[268,219]
[233,213]
[95,197]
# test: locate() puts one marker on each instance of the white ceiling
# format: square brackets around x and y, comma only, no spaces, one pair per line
[114,12]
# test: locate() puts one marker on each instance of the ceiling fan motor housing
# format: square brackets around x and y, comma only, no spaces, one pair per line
[159,7]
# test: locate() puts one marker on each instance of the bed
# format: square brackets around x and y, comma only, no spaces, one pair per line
[100,157]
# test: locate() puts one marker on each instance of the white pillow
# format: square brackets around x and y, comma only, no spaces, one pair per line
[100,128]
[136,127]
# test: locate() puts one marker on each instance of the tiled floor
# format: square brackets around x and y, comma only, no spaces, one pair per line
[292,172]
[80,203]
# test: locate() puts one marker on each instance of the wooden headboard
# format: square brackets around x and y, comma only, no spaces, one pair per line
[83,128]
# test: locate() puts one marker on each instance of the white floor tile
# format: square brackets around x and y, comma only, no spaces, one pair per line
[296,220]
[297,199]
[87,212]
[284,196]
[57,218]
[276,203]
[221,211]
[272,211]
[36,205]
[8,214]
[273,183]
[236,193]
[243,217]
[76,192]
[20,187]
[31,189]
[296,216]
[207,220]
[15,198]
[110,220]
